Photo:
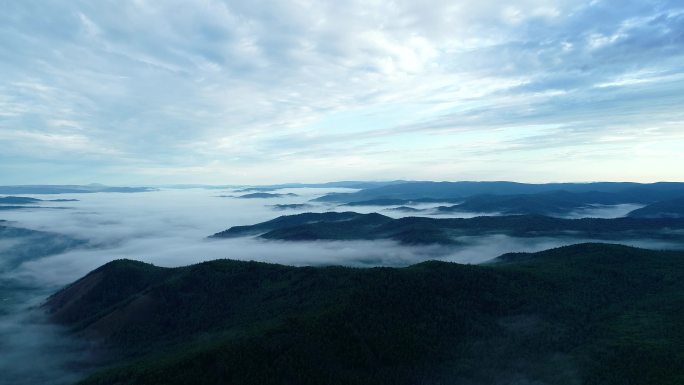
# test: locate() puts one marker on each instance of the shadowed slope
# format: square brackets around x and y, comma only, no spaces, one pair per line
[592,313]
[666,209]
[423,230]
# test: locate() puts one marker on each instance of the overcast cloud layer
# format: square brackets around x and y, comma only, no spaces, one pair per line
[256,92]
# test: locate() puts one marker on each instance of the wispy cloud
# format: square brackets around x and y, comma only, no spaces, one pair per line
[232,90]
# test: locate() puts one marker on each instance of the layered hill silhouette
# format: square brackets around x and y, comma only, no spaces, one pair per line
[69,189]
[547,203]
[666,209]
[258,195]
[448,191]
[422,230]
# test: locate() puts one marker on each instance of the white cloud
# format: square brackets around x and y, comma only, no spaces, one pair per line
[181,85]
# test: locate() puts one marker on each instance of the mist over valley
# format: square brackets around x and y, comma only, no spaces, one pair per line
[391,192]
[44,250]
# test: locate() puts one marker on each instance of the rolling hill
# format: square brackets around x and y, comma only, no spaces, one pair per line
[423,230]
[666,209]
[546,203]
[583,314]
[628,192]
[69,189]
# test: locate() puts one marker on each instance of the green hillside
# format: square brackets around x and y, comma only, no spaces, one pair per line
[583,314]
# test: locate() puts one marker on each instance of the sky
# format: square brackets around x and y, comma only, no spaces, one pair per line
[256,92]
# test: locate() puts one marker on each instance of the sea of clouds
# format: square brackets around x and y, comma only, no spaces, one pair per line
[170,227]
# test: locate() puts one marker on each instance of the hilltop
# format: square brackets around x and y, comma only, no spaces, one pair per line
[584,314]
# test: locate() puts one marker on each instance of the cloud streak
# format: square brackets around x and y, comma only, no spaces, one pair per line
[228,90]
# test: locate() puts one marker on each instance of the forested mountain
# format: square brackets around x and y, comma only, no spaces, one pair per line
[547,203]
[584,314]
[629,192]
[422,230]
[666,209]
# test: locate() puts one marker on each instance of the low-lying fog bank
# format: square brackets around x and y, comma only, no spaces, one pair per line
[35,351]
[169,228]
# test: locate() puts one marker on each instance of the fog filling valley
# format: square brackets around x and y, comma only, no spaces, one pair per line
[169,228]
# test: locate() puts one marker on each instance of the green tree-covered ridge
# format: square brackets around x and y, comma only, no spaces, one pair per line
[583,314]
[424,230]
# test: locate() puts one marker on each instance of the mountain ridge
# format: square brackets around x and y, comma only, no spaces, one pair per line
[453,190]
[546,317]
[350,225]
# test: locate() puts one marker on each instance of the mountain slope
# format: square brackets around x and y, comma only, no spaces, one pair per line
[547,203]
[665,209]
[585,314]
[630,192]
[423,230]
[451,190]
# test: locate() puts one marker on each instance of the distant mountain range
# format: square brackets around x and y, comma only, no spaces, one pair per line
[665,209]
[624,192]
[291,206]
[545,203]
[69,189]
[396,201]
[338,184]
[512,198]
[584,314]
[19,203]
[421,230]
[272,187]
[14,200]
[265,195]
